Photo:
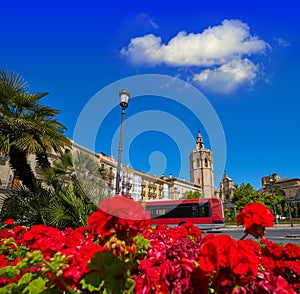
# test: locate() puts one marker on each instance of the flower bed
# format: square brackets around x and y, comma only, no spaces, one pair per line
[118,252]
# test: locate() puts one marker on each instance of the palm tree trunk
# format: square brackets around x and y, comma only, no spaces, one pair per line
[21,168]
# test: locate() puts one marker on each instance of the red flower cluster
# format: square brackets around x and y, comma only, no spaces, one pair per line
[225,263]
[283,261]
[255,217]
[119,215]
[113,254]
[170,261]
[72,243]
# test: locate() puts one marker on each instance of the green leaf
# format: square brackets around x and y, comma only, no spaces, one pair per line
[129,285]
[109,276]
[92,281]
[9,289]
[36,286]
[25,279]
[107,262]
[9,272]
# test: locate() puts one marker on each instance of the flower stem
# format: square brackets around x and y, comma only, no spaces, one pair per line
[246,234]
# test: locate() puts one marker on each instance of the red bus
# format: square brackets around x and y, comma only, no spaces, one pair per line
[205,213]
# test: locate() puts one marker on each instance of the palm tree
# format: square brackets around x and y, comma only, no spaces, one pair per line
[58,201]
[27,126]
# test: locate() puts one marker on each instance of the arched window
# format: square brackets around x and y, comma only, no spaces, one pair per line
[206,162]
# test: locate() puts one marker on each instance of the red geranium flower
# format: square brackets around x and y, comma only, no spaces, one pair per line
[124,207]
[9,222]
[255,217]
[119,215]
[226,263]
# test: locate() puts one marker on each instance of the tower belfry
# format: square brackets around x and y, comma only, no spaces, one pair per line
[199,143]
[201,168]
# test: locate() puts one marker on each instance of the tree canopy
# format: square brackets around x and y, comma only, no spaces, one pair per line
[192,195]
[27,127]
[245,193]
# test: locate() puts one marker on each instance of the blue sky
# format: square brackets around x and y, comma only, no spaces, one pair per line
[243,56]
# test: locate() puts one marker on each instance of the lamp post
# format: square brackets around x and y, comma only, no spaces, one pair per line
[274,204]
[124,98]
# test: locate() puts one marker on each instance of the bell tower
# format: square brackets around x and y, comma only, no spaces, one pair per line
[201,168]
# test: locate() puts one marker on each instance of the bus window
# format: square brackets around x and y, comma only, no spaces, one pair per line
[183,211]
[156,212]
[195,211]
[204,209]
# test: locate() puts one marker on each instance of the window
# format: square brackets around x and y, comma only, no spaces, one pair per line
[206,162]
[204,209]
[180,211]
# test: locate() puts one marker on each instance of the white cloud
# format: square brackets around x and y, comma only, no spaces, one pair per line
[144,51]
[214,46]
[222,53]
[145,20]
[281,42]
[228,77]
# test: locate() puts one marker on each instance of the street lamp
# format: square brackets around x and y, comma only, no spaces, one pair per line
[124,98]
[274,204]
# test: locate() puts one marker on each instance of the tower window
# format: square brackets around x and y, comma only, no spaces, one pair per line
[206,162]
[198,181]
[198,162]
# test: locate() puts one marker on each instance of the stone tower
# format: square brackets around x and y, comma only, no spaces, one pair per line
[201,168]
[226,189]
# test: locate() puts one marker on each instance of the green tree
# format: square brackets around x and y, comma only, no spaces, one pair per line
[26,127]
[91,178]
[245,193]
[192,195]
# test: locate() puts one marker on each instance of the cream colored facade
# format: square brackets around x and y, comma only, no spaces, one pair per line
[179,187]
[145,186]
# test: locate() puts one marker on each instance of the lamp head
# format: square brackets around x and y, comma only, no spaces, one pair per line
[124,98]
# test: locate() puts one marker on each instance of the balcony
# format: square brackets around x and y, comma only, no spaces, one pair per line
[152,195]
[152,186]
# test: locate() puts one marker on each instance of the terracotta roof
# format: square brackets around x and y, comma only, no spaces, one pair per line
[288,180]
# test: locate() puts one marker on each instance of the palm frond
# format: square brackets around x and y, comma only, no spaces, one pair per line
[28,143]
[55,214]
[11,85]
[4,143]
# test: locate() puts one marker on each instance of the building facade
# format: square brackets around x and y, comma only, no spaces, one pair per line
[226,190]
[134,183]
[202,169]
[289,188]
[178,188]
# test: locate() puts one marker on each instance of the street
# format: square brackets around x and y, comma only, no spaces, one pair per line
[279,234]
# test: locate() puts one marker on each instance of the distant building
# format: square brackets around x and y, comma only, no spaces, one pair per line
[143,186]
[226,190]
[288,187]
[178,188]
